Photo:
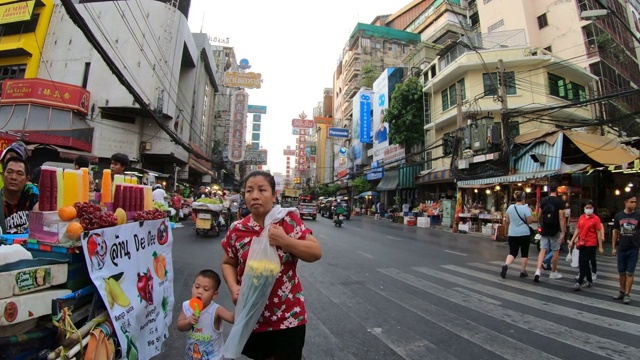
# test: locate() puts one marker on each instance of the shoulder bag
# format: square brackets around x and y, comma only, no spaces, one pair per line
[531,231]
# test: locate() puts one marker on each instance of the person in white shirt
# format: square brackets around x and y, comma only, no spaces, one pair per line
[159,194]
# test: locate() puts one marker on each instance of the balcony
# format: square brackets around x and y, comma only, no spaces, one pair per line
[352,88]
[352,72]
[351,57]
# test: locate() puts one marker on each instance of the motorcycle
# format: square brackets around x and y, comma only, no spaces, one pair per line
[337,220]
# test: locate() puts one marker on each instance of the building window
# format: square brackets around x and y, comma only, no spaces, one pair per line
[22,27]
[571,91]
[12,72]
[449,96]
[490,88]
[405,49]
[394,47]
[542,21]
[428,163]
[365,43]
[495,25]
[377,45]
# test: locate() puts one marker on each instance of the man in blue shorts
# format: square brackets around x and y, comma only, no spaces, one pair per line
[626,242]
[553,224]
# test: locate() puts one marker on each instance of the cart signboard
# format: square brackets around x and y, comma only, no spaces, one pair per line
[132,268]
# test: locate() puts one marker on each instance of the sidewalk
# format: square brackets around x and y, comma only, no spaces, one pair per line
[433,227]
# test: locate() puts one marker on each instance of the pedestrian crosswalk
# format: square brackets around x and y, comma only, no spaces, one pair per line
[468,311]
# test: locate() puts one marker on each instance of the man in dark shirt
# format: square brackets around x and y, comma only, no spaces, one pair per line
[553,230]
[626,243]
[18,198]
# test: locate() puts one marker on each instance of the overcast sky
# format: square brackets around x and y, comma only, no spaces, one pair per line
[295,45]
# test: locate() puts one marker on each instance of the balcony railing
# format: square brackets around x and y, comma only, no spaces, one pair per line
[479,41]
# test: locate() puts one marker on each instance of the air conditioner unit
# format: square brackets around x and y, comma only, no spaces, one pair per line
[463,164]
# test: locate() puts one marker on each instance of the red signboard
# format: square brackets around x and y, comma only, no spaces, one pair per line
[45,92]
[302,123]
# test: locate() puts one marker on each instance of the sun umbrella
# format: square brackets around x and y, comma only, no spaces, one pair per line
[368,193]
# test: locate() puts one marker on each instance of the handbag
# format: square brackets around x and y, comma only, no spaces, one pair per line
[580,243]
[531,231]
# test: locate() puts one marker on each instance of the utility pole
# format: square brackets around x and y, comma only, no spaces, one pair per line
[504,108]
[460,122]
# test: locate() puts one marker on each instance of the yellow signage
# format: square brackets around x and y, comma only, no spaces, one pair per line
[21,11]
[248,80]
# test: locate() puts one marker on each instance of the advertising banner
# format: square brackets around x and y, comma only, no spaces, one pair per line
[16,12]
[383,87]
[237,141]
[45,92]
[362,110]
[254,146]
[340,133]
[132,268]
[257,109]
[248,80]
[302,123]
[256,157]
[255,127]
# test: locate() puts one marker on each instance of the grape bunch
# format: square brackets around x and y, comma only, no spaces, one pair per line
[154,214]
[92,218]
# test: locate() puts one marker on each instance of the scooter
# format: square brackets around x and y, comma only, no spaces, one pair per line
[337,220]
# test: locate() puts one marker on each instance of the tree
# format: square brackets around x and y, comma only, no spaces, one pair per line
[328,190]
[406,114]
[369,74]
[360,185]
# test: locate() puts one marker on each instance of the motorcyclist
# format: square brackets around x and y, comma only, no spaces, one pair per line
[340,211]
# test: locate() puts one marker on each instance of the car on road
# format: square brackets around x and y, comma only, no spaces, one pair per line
[325,207]
[308,210]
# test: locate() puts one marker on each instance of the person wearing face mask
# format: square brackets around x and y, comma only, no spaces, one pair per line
[588,236]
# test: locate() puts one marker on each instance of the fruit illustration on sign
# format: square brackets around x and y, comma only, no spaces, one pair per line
[145,287]
[115,292]
[160,265]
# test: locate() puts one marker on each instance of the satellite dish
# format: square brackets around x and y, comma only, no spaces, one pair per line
[244,64]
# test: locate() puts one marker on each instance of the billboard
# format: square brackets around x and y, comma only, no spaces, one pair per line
[16,12]
[237,141]
[361,125]
[248,80]
[45,92]
[383,87]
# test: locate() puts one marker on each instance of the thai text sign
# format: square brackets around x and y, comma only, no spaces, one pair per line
[132,268]
[16,12]
[248,80]
[289,152]
[237,141]
[257,109]
[45,92]
[302,123]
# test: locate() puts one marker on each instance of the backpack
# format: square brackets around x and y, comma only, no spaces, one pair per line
[550,217]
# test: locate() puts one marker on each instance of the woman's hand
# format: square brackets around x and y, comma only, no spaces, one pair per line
[235,293]
[277,236]
[601,250]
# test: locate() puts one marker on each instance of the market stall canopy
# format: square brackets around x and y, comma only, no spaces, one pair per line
[368,193]
[603,149]
[64,153]
[389,181]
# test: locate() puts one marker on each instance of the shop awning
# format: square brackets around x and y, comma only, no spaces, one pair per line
[199,167]
[389,181]
[65,153]
[407,177]
[515,178]
[603,149]
[435,175]
[543,153]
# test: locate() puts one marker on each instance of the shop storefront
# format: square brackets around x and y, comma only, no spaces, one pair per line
[387,187]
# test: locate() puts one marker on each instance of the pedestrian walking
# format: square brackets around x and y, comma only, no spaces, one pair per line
[517,218]
[588,235]
[553,223]
[626,242]
[280,331]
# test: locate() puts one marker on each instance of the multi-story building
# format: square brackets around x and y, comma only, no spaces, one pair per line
[323,115]
[152,46]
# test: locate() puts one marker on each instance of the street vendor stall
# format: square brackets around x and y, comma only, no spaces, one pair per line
[87,281]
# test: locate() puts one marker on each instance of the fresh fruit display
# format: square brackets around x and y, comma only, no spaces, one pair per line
[92,218]
[74,230]
[67,213]
[215,201]
[121,215]
[160,206]
[145,286]
[154,214]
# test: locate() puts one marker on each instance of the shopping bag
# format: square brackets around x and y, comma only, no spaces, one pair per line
[260,273]
[568,258]
[575,256]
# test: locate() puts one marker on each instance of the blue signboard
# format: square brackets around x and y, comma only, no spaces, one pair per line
[338,133]
[255,127]
[375,174]
[257,118]
[255,146]
[365,118]
[255,136]
[257,109]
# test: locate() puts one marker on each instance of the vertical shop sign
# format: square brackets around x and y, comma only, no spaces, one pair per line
[237,141]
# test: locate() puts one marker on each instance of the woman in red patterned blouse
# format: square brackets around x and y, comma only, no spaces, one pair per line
[280,331]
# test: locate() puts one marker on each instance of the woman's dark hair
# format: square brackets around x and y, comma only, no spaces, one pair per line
[121,159]
[81,161]
[589,203]
[270,179]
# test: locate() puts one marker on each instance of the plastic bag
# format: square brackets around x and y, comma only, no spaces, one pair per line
[575,257]
[568,258]
[260,273]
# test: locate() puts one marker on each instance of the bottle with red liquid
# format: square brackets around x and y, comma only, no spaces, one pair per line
[53,178]
[127,198]
[45,187]
[118,197]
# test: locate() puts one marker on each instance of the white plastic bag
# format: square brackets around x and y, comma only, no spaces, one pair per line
[575,257]
[568,258]
[260,273]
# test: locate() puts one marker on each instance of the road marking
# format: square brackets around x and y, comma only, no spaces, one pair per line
[365,254]
[592,343]
[576,314]
[456,253]
[394,238]
[500,344]
[321,236]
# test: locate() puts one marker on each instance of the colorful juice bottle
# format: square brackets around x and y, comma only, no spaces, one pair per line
[70,187]
[44,184]
[148,198]
[117,197]
[60,182]
[85,185]
[53,176]
[105,190]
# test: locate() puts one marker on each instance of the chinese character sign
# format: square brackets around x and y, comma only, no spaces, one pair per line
[45,92]
[132,268]
[237,141]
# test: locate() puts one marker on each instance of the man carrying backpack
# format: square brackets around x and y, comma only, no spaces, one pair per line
[553,224]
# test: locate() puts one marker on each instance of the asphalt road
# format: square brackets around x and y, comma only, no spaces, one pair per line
[388,291]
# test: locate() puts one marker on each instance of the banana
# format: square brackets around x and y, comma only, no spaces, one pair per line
[118,295]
